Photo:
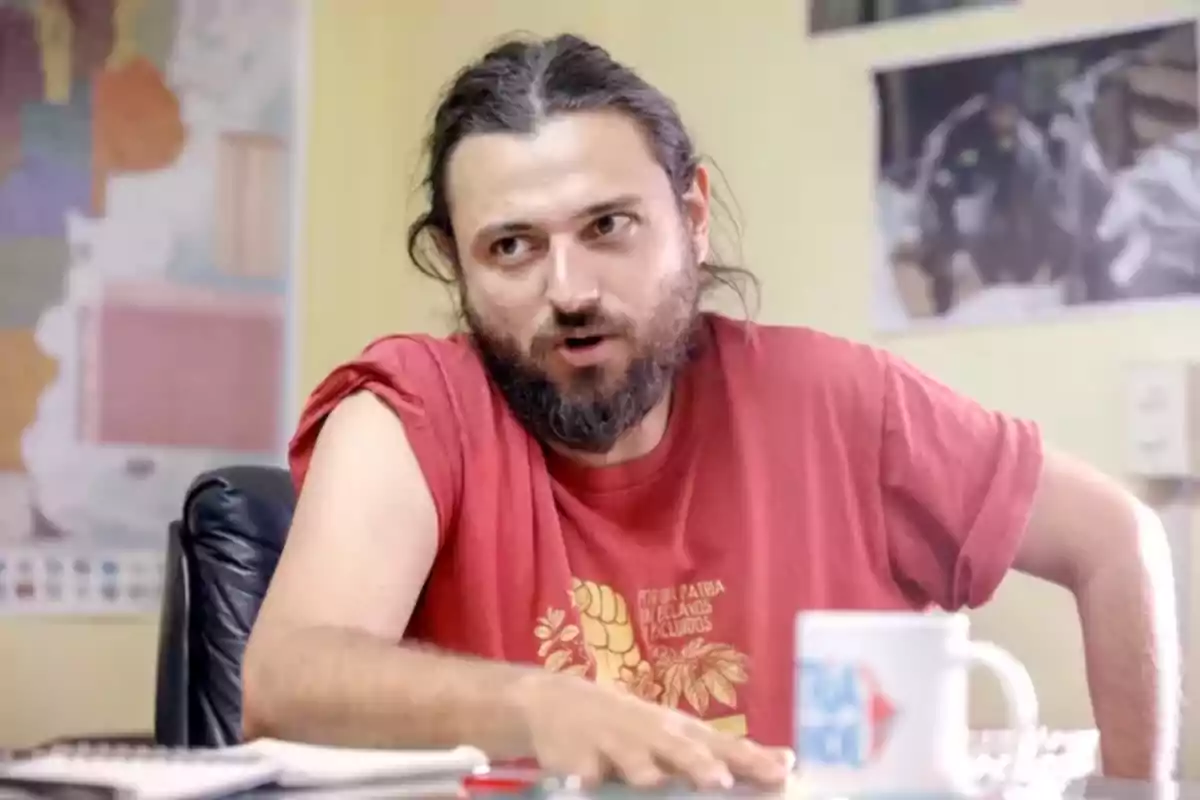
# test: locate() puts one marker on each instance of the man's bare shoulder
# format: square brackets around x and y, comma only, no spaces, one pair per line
[436,386]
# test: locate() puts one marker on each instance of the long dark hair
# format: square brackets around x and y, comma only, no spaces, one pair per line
[517,85]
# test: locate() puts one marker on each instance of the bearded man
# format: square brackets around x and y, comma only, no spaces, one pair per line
[580,531]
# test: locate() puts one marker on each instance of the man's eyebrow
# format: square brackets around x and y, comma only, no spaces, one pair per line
[622,203]
[515,227]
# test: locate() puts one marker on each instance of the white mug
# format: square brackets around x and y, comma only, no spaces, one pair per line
[881,703]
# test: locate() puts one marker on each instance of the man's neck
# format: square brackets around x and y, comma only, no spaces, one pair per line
[634,443]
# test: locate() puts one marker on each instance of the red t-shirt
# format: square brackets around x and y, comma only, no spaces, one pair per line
[798,471]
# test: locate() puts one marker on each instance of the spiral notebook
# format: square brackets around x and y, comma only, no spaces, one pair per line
[123,773]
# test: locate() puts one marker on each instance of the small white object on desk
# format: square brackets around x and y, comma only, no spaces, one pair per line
[1061,757]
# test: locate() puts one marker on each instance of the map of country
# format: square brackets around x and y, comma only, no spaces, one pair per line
[145,162]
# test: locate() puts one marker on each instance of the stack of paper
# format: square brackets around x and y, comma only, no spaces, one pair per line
[304,766]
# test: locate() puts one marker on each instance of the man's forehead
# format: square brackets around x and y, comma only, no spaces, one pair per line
[568,164]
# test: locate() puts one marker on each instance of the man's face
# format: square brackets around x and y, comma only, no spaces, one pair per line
[580,271]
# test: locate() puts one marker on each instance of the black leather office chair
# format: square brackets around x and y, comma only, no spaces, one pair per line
[221,554]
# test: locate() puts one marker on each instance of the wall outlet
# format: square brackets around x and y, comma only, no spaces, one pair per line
[1163,419]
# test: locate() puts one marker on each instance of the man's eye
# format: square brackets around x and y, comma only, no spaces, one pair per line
[509,247]
[610,225]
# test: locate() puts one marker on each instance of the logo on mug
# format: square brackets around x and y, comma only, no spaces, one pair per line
[843,717]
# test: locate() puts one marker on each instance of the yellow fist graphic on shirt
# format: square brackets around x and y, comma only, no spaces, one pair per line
[703,675]
[607,629]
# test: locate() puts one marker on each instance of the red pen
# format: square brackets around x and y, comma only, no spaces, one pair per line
[503,779]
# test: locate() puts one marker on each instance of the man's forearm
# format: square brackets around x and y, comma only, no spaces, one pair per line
[336,687]
[1131,639]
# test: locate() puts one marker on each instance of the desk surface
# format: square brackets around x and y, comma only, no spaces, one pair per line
[1086,789]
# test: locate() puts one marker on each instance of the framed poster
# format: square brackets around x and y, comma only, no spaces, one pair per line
[148,197]
[1022,184]
[834,15]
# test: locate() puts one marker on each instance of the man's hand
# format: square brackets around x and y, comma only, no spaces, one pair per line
[594,732]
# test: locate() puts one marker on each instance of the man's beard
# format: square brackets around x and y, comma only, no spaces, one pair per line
[593,413]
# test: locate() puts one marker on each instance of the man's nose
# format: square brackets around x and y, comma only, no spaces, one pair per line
[571,284]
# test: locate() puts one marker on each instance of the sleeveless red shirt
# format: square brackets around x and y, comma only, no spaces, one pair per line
[798,471]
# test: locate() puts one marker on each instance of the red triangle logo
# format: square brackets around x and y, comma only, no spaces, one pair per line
[880,710]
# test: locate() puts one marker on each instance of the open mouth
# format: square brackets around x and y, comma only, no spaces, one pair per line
[582,342]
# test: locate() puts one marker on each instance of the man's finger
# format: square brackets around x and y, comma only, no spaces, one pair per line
[637,767]
[694,760]
[752,761]
[590,770]
[786,756]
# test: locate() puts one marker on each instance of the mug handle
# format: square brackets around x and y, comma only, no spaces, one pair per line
[1019,696]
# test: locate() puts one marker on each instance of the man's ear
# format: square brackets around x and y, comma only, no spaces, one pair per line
[444,243]
[696,204]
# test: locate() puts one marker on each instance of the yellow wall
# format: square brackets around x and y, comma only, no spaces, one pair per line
[791,123]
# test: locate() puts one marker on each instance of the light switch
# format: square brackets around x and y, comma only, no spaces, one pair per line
[1163,420]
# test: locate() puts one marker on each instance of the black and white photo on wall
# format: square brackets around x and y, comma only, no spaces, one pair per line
[1020,184]
[834,15]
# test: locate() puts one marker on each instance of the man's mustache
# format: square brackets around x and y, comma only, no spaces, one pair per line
[577,325]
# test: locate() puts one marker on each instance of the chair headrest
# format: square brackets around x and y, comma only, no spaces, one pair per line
[255,504]
[235,522]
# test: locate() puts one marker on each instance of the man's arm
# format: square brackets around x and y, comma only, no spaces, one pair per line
[1091,536]
[970,494]
[324,663]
